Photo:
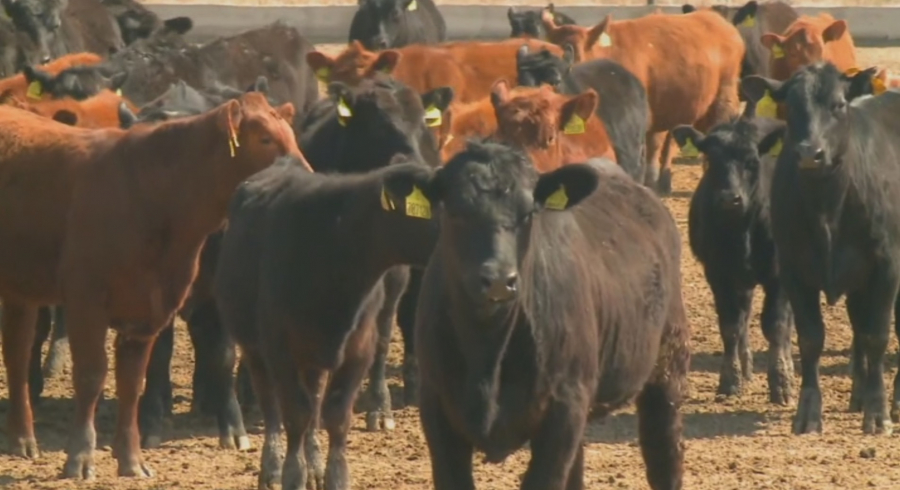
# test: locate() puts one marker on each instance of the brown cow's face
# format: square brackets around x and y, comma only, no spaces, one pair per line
[353,65]
[588,43]
[800,47]
[263,132]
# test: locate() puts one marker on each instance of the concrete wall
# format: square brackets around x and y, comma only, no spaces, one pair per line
[871,26]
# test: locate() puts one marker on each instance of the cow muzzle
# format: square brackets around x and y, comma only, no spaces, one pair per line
[499,287]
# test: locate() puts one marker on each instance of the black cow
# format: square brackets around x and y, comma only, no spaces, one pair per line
[527,23]
[730,235]
[135,21]
[301,306]
[753,19]
[548,296]
[18,49]
[60,27]
[383,24]
[623,104]
[362,144]
[836,224]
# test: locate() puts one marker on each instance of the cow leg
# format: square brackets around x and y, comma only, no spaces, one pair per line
[200,341]
[733,309]
[406,320]
[555,447]
[858,374]
[232,434]
[59,343]
[378,396]
[87,342]
[660,427]
[777,326]
[666,155]
[18,332]
[870,311]
[655,142]
[450,453]
[895,404]
[576,473]
[132,357]
[272,450]
[811,339]
[244,388]
[153,407]
[35,374]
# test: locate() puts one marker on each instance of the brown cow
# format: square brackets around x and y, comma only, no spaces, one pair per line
[110,223]
[808,40]
[19,85]
[474,119]
[469,67]
[554,129]
[689,64]
[99,111]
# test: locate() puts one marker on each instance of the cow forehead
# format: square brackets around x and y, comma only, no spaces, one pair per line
[474,179]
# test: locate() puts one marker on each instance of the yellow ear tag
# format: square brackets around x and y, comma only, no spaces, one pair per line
[119,92]
[433,117]
[34,90]
[412,6]
[232,136]
[605,40]
[344,112]
[689,150]
[777,52]
[558,200]
[386,202]
[748,22]
[417,205]
[776,149]
[323,73]
[766,107]
[878,86]
[575,125]
[851,71]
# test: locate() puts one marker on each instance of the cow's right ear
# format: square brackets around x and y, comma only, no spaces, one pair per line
[127,118]
[755,88]
[499,92]
[688,137]
[386,62]
[436,103]
[569,55]
[594,33]
[565,187]
[321,65]
[411,189]
[687,8]
[342,97]
[745,13]
[771,143]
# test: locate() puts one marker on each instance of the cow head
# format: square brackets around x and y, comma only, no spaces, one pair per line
[802,43]
[543,67]
[722,10]
[818,113]
[490,200]
[40,20]
[353,65]
[587,42]
[77,82]
[378,24]
[538,118]
[382,117]
[870,81]
[527,23]
[732,153]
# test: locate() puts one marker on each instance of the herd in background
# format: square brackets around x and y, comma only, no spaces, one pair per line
[497,198]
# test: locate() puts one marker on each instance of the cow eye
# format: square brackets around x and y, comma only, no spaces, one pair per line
[839,106]
[266,140]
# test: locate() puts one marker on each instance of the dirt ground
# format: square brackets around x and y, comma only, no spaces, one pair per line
[740,443]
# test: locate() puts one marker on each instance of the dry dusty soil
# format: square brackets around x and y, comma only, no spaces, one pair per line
[740,443]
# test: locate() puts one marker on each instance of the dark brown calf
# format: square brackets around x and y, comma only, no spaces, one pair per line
[110,224]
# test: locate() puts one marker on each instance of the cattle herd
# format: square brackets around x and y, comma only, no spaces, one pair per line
[499,199]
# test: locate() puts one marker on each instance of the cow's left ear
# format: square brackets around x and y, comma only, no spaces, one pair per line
[287,112]
[565,187]
[575,112]
[386,62]
[436,103]
[771,142]
[755,88]
[594,33]
[116,81]
[410,189]
[834,31]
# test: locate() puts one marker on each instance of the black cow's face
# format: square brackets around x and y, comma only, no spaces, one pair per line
[77,82]
[378,23]
[542,67]
[525,23]
[382,117]
[41,21]
[817,107]
[490,195]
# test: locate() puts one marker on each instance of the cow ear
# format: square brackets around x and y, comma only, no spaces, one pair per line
[688,137]
[66,117]
[499,92]
[771,142]
[261,85]
[547,19]
[569,54]
[755,88]
[746,12]
[770,40]
[511,13]
[521,53]
[410,189]
[834,31]
[321,64]
[178,25]
[127,118]
[436,103]
[287,112]
[575,112]
[230,116]
[34,74]
[116,81]
[342,97]
[386,62]
[565,187]
[687,8]
[594,33]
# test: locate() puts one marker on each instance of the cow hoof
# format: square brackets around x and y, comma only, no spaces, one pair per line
[376,421]
[135,469]
[779,388]
[876,421]
[293,475]
[856,398]
[730,382]
[25,447]
[79,466]
[240,443]
[151,441]
[664,184]
[809,412]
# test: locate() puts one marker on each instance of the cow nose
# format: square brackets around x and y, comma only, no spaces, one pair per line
[500,287]
[380,43]
[45,59]
[811,156]
[729,199]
